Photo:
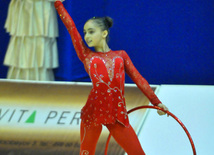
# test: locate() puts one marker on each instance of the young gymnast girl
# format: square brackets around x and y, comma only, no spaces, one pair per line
[106,102]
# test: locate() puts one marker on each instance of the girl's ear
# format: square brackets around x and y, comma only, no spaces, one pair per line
[105,33]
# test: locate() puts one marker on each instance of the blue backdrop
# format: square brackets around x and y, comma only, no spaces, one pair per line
[170,42]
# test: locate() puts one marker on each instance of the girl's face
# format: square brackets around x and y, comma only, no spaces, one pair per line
[93,34]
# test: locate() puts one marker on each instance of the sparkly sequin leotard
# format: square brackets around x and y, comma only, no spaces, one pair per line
[106,102]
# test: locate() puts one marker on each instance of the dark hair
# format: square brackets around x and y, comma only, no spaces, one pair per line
[105,23]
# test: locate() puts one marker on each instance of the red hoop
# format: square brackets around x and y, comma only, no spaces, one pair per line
[170,114]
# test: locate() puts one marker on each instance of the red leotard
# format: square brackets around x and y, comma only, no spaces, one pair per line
[106,102]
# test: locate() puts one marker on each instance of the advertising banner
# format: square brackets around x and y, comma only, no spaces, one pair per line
[44,117]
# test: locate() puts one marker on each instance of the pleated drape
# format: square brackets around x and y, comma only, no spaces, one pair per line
[32,50]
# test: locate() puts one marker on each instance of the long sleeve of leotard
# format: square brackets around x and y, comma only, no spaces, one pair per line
[141,82]
[78,43]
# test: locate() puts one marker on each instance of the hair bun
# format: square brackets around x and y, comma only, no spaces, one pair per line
[109,21]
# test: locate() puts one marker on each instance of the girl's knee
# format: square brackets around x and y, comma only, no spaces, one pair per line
[84,152]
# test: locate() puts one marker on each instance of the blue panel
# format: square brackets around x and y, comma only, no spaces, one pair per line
[4,37]
[170,42]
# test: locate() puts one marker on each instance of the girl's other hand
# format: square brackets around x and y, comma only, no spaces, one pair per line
[160,112]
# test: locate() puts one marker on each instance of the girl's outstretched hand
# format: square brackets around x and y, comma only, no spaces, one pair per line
[163,107]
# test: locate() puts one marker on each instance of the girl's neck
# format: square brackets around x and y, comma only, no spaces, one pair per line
[105,48]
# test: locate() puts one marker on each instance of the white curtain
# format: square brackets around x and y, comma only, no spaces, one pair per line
[32,51]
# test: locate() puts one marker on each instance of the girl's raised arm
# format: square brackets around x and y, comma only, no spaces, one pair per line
[77,40]
[142,84]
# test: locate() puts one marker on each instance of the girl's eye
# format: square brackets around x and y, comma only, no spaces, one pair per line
[89,32]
